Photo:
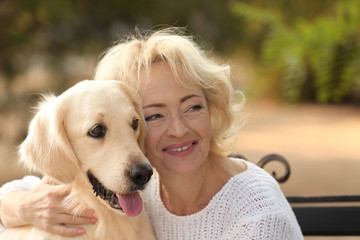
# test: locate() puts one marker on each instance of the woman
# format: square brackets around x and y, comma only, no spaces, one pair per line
[191,109]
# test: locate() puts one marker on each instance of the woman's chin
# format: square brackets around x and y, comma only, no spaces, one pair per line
[183,168]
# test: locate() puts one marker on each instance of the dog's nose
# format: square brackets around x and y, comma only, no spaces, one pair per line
[140,174]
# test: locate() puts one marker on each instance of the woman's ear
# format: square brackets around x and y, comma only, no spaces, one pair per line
[46,147]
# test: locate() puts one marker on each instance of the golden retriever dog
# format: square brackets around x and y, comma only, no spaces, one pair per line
[91,137]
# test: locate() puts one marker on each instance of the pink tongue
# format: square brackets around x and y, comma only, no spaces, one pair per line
[130,203]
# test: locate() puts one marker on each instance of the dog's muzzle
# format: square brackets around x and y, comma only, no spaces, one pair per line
[103,192]
[139,176]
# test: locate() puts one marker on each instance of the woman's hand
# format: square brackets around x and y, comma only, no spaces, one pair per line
[43,208]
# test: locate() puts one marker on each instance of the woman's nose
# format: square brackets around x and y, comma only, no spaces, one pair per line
[177,127]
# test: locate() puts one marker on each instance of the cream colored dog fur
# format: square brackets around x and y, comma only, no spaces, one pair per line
[91,137]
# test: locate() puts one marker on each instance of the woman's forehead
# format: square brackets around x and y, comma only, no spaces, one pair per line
[161,84]
[160,76]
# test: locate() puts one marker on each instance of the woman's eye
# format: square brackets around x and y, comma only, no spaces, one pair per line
[153,117]
[195,108]
[135,124]
[98,131]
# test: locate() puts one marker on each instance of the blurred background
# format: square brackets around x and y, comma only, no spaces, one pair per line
[297,62]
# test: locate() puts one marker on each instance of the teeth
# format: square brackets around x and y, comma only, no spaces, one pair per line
[179,149]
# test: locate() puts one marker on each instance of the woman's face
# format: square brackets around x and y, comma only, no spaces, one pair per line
[178,121]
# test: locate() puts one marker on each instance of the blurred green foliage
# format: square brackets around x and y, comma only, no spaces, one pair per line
[56,27]
[313,45]
[318,59]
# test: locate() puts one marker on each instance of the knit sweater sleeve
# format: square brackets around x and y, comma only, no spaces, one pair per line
[278,225]
[267,214]
[26,183]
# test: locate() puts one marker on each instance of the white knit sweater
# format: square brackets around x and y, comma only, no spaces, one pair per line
[249,206]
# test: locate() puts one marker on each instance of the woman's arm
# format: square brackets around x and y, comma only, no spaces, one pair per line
[42,207]
[24,184]
[10,210]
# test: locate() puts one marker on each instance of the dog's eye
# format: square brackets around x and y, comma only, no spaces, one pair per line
[135,124]
[98,131]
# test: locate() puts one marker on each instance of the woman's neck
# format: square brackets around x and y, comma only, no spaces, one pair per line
[185,194]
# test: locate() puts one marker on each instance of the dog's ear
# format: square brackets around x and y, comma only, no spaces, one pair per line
[142,126]
[136,100]
[46,147]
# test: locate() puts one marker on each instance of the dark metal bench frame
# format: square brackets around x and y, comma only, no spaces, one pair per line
[332,220]
[320,215]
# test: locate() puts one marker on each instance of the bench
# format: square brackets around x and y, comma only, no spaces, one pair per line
[327,215]
[319,215]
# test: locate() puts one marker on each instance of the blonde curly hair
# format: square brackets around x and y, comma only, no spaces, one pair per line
[130,56]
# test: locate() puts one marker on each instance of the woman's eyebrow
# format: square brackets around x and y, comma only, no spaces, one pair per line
[157,105]
[184,99]
[161,105]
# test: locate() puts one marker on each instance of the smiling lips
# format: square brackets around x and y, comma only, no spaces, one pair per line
[181,149]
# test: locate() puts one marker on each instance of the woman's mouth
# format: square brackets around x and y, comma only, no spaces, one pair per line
[179,149]
[183,148]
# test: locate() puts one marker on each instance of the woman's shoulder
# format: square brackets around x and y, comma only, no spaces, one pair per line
[254,187]
[256,198]
[252,173]
[239,167]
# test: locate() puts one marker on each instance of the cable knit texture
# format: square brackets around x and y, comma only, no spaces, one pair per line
[249,206]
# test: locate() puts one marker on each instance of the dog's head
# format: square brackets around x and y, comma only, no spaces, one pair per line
[95,129]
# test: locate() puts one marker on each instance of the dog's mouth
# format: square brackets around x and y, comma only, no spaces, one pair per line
[130,204]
